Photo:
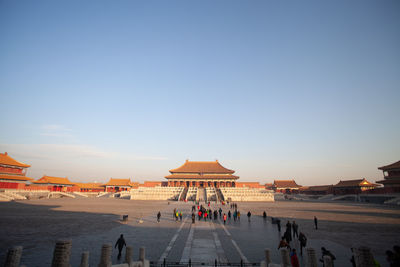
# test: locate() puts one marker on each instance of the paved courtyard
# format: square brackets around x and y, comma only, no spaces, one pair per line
[89,223]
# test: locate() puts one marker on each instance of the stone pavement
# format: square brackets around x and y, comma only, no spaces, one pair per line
[178,241]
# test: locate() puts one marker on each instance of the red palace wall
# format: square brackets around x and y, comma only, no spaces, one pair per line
[10,170]
[114,189]
[22,186]
[8,185]
[35,187]
[95,190]
[382,190]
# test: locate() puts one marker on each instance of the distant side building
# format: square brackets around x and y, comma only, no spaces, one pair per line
[353,186]
[12,173]
[268,186]
[58,184]
[90,187]
[391,175]
[317,190]
[117,185]
[285,186]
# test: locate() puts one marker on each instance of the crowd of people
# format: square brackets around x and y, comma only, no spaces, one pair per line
[287,238]
[204,212]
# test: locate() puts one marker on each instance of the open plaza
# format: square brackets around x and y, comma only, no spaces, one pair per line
[91,222]
[193,217]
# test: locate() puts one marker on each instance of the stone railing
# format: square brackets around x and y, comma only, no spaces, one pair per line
[247,194]
[156,193]
[62,251]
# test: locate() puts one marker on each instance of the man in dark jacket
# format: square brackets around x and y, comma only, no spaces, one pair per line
[120,243]
[288,231]
[303,242]
[294,228]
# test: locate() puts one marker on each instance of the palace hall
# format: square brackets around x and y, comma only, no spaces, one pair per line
[202,174]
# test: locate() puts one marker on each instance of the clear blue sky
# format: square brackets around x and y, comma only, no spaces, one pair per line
[305,90]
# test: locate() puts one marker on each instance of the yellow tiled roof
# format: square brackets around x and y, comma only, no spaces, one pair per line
[7,160]
[53,180]
[201,167]
[354,183]
[90,185]
[204,176]
[286,183]
[119,182]
[395,165]
[14,177]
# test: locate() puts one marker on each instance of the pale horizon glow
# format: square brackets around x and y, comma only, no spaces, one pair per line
[131,89]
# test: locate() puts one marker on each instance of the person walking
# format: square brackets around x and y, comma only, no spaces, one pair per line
[316,223]
[224,218]
[158,216]
[229,214]
[193,217]
[287,235]
[120,243]
[180,216]
[176,216]
[234,215]
[220,212]
[288,232]
[303,242]
[248,216]
[294,228]
[238,215]
[264,215]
